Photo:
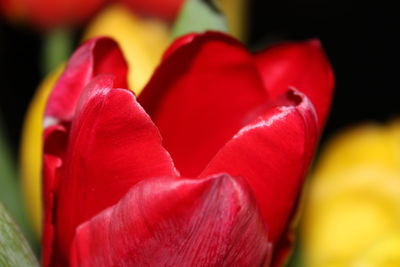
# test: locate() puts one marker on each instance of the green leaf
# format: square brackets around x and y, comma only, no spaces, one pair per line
[198,16]
[14,249]
[10,193]
[8,176]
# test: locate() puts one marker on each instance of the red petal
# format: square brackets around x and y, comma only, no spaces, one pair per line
[178,43]
[96,56]
[176,222]
[55,144]
[284,249]
[301,65]
[112,145]
[272,154]
[200,96]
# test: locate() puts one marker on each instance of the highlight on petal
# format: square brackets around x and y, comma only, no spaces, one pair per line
[112,145]
[201,95]
[302,65]
[173,221]
[96,56]
[273,153]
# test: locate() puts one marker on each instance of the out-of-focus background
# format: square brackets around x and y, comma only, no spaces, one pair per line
[361,43]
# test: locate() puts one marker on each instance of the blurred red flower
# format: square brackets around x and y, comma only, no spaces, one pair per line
[48,14]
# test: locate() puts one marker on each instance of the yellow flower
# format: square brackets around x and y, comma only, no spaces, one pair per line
[352,215]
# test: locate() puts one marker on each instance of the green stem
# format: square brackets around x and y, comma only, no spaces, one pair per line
[57,47]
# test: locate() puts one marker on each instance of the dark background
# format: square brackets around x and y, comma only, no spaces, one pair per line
[360,40]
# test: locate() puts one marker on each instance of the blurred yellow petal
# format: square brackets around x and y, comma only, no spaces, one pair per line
[368,144]
[386,252]
[142,40]
[31,150]
[352,213]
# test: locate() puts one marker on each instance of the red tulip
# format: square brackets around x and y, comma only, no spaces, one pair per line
[303,66]
[114,190]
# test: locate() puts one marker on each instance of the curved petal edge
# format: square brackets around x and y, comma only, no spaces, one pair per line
[173,221]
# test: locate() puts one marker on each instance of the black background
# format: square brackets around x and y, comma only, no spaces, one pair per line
[360,40]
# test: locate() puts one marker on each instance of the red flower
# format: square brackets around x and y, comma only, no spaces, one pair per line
[114,190]
[51,13]
[61,13]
